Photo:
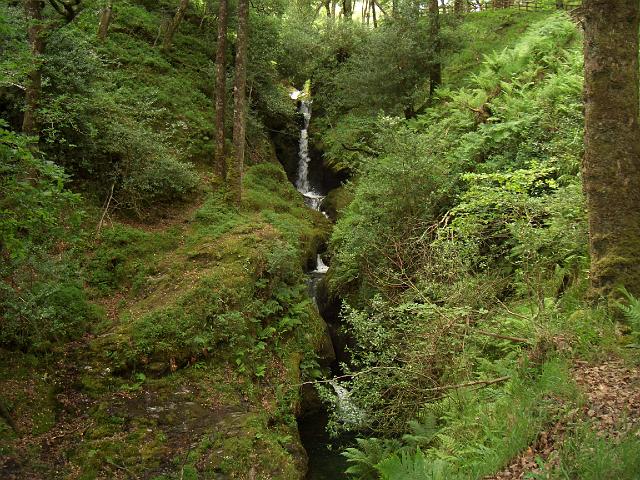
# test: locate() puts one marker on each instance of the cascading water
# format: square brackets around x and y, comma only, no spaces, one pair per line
[312,197]
[302,182]
[325,462]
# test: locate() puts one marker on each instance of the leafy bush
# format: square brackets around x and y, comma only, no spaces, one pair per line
[41,296]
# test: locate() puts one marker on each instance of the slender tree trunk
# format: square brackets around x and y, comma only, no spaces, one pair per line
[33,10]
[105,21]
[173,25]
[611,166]
[435,70]
[394,8]
[221,89]
[240,100]
[458,7]
[373,14]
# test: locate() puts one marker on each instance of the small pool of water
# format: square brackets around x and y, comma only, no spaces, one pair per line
[324,463]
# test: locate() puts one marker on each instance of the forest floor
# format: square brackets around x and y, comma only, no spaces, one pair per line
[612,408]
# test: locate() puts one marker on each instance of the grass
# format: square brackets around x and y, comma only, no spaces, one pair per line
[484,430]
[588,455]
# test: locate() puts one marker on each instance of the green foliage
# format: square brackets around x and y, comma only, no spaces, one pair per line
[588,455]
[477,432]
[413,467]
[364,458]
[124,257]
[631,311]
[514,160]
[16,60]
[41,295]
[396,199]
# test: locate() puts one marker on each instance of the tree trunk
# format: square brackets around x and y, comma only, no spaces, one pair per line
[347,9]
[221,89]
[240,100]
[458,7]
[105,21]
[435,70]
[373,14]
[611,166]
[33,10]
[173,25]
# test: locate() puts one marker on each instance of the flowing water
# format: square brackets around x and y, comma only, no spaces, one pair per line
[312,197]
[325,461]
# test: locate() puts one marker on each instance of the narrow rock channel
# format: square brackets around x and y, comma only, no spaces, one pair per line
[325,459]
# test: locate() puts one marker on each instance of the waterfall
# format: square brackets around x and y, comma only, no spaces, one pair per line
[320,266]
[302,182]
[312,198]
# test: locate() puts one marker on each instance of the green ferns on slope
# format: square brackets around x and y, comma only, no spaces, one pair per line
[473,274]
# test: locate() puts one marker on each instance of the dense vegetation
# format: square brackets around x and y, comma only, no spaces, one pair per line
[156,320]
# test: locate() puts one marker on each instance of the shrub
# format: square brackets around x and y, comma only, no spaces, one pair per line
[41,296]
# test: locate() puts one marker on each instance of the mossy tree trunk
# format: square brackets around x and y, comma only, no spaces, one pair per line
[174,24]
[240,100]
[105,21]
[435,69]
[611,166]
[221,89]
[33,90]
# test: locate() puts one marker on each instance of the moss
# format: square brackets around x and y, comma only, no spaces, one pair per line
[336,201]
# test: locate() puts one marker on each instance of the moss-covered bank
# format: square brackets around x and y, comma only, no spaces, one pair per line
[195,371]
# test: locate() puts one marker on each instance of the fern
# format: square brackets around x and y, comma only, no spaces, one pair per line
[367,455]
[631,312]
[414,466]
[422,433]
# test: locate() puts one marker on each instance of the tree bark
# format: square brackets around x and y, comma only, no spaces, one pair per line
[33,10]
[347,9]
[435,70]
[173,25]
[611,165]
[221,89]
[105,21]
[373,14]
[458,7]
[240,100]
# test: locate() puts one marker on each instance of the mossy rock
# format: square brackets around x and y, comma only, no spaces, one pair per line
[336,201]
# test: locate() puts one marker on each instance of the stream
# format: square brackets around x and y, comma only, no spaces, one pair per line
[325,459]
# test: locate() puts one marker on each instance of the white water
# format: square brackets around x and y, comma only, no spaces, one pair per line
[311,197]
[320,266]
[348,412]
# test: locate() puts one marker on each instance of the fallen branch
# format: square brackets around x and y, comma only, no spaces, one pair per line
[106,209]
[362,372]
